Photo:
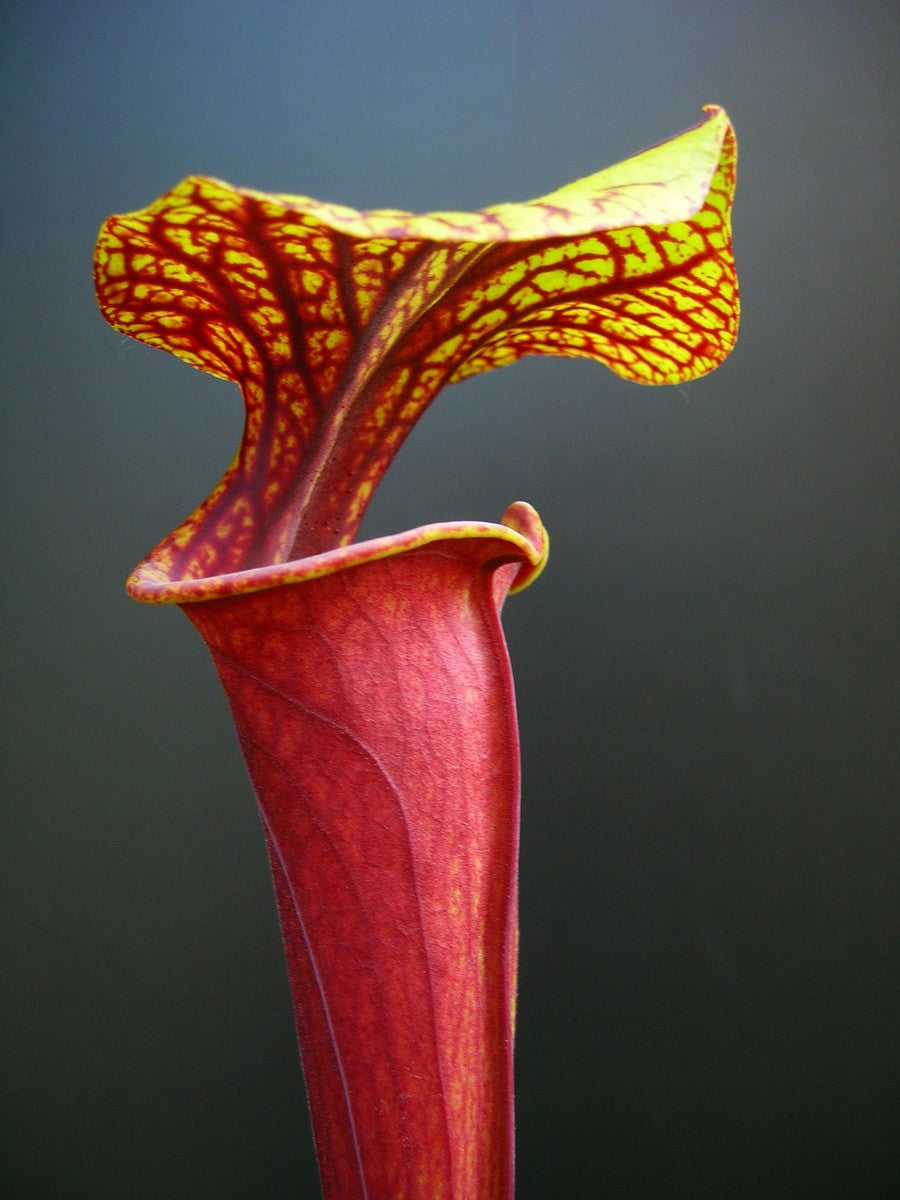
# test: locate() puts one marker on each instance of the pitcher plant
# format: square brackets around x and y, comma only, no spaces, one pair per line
[369,681]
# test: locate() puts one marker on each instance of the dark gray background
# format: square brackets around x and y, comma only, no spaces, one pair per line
[707,671]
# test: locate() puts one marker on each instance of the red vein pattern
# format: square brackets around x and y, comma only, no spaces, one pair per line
[341,327]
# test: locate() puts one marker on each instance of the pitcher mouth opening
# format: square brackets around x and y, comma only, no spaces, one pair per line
[520,537]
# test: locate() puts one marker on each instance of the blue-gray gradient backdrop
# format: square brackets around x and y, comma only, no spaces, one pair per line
[706,672]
